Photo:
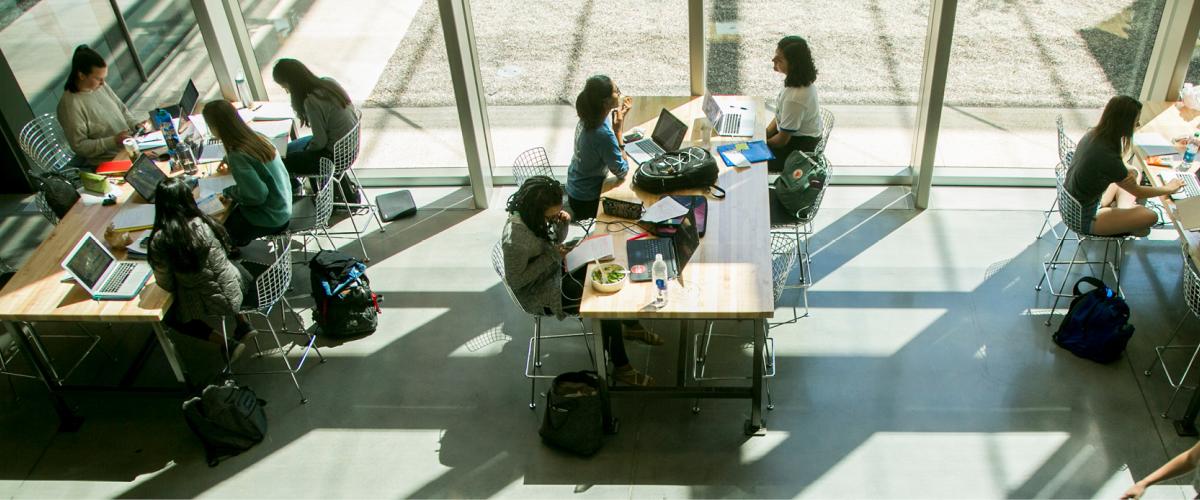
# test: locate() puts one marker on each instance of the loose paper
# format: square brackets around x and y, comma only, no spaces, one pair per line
[212,186]
[738,159]
[1154,144]
[133,217]
[589,250]
[665,209]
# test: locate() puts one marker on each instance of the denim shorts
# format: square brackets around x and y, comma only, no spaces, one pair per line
[1087,216]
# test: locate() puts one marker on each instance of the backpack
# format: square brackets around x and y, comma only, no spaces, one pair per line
[345,306]
[799,195]
[228,419]
[1097,324]
[349,192]
[576,413]
[59,190]
[688,168]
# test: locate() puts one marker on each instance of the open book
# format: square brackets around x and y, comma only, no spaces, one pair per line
[595,248]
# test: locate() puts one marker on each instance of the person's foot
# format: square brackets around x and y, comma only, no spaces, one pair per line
[242,330]
[628,375]
[641,334]
[235,350]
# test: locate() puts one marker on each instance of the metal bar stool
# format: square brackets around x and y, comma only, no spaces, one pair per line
[345,155]
[800,227]
[1191,295]
[310,214]
[1066,152]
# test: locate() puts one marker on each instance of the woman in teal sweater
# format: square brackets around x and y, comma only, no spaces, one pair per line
[262,195]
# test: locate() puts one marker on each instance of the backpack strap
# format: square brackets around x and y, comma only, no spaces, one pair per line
[718,192]
[1091,281]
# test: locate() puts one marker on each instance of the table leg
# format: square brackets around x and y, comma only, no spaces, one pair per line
[681,365]
[68,420]
[1186,425]
[755,423]
[172,356]
[611,424]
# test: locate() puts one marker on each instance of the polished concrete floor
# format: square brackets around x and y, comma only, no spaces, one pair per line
[924,371]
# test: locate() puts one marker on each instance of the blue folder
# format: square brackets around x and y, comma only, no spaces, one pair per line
[756,151]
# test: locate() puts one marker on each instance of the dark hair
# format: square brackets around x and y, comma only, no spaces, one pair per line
[225,123]
[301,83]
[83,61]
[591,103]
[802,71]
[531,200]
[173,240]
[1117,121]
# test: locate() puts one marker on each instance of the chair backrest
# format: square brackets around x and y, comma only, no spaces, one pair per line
[783,260]
[1191,283]
[532,162]
[44,141]
[818,161]
[1066,146]
[273,283]
[345,150]
[827,120]
[324,198]
[498,265]
[43,206]
[1071,210]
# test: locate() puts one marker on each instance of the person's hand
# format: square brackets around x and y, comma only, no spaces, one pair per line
[119,139]
[225,200]
[563,250]
[563,216]
[222,167]
[1134,492]
[1174,185]
[625,105]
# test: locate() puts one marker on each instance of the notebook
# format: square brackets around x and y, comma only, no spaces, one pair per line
[593,249]
[753,152]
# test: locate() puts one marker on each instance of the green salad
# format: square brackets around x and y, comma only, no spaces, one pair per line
[608,274]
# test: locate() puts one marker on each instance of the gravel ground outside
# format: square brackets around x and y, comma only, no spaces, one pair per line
[1026,53]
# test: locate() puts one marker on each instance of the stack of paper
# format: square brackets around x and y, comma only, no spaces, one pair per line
[593,249]
[138,249]
[665,209]
[134,217]
[1154,144]
[271,111]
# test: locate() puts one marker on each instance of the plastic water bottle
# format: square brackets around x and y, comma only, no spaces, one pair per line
[243,90]
[1189,154]
[658,272]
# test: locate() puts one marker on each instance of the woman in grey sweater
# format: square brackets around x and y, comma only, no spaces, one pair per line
[533,268]
[319,103]
[94,120]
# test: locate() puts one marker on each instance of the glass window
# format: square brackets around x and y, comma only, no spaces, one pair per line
[1016,66]
[868,59]
[38,39]
[157,27]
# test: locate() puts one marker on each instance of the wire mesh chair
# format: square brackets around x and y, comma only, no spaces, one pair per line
[310,214]
[1066,152]
[533,354]
[271,287]
[44,141]
[532,162]
[827,120]
[801,228]
[345,155]
[1072,215]
[784,257]
[1191,295]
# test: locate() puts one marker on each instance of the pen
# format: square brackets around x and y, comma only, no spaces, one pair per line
[638,237]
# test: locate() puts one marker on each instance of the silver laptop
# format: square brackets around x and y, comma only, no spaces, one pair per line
[730,120]
[205,147]
[102,275]
[667,136]
[1190,185]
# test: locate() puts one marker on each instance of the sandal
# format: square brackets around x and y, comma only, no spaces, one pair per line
[629,375]
[641,334]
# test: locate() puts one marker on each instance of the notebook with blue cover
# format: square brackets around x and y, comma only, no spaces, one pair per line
[755,151]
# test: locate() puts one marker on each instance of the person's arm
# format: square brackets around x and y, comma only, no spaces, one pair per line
[162,273]
[71,117]
[316,121]
[519,267]
[610,153]
[772,128]
[1131,185]
[249,189]
[618,118]
[1181,464]
[130,120]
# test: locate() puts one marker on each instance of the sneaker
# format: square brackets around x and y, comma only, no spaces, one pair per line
[641,334]
[631,376]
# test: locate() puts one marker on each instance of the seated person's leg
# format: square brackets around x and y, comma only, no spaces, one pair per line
[298,145]
[615,345]
[238,227]
[1133,220]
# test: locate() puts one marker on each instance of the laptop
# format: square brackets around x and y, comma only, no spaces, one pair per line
[667,136]
[205,147]
[102,275]
[144,176]
[729,120]
[1191,187]
[186,105]
[676,251]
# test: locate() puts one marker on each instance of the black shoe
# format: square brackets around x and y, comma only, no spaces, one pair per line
[242,331]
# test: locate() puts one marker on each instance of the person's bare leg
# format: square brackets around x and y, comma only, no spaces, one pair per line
[1135,220]
[1109,198]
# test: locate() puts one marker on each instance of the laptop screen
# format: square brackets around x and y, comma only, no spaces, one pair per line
[187,102]
[711,109]
[685,240]
[144,176]
[669,131]
[89,262]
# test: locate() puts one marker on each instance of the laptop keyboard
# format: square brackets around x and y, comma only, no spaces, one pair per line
[730,124]
[118,277]
[651,148]
[1190,186]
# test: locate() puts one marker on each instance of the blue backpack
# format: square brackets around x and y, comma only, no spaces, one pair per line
[1097,324]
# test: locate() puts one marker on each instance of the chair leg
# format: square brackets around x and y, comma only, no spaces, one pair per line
[353,223]
[367,201]
[1158,350]
[1047,266]
[708,329]
[537,341]
[286,363]
[1046,221]
[1066,276]
[767,363]
[12,388]
[1182,377]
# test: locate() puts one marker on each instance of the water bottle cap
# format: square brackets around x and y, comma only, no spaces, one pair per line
[658,256]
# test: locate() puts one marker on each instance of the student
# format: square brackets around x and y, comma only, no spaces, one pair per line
[262,194]
[597,144]
[1105,187]
[533,268]
[189,254]
[94,119]
[797,122]
[319,103]
[1183,463]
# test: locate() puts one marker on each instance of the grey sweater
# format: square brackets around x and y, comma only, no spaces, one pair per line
[533,267]
[92,119]
[328,120]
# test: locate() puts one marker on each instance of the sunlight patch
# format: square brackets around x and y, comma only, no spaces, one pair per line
[854,332]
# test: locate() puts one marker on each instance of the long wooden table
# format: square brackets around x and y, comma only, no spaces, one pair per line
[1170,121]
[729,276]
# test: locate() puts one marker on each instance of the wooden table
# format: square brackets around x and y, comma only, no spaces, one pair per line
[1170,121]
[729,276]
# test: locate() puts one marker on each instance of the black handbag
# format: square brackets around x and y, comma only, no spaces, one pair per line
[577,413]
[688,168]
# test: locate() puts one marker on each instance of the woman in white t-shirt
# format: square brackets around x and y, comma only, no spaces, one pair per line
[797,123]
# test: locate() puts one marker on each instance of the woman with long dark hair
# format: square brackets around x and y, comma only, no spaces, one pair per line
[601,110]
[188,251]
[322,105]
[1105,187]
[797,122]
[262,194]
[533,268]
[92,116]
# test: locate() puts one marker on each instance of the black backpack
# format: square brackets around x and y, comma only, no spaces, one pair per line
[59,189]
[344,306]
[348,192]
[577,413]
[688,168]
[1097,324]
[228,419]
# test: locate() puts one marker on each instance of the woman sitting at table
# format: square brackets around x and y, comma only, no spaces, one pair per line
[1108,190]
[797,122]
[319,103]
[597,144]
[94,120]
[262,194]
[533,268]
[189,254]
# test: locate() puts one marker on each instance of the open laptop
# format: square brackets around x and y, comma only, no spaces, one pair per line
[676,251]
[729,120]
[667,136]
[1191,186]
[144,176]
[205,147]
[186,105]
[102,275]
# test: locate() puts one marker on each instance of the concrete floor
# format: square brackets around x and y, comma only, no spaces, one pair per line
[924,371]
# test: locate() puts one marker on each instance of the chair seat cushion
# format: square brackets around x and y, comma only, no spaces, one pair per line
[304,215]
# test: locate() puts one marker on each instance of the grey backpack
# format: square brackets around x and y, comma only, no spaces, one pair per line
[228,419]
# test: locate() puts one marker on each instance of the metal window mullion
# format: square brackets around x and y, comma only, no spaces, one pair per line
[220,43]
[469,96]
[124,27]
[933,92]
[245,48]
[1177,32]
[696,56]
